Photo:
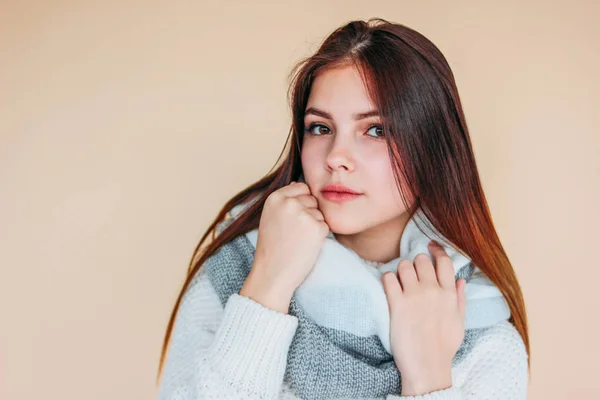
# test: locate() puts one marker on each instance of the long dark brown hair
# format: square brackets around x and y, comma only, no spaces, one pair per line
[412,85]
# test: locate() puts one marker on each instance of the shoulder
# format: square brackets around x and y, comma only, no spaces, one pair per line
[502,338]
[201,303]
[497,361]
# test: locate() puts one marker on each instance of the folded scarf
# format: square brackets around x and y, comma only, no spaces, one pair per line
[341,348]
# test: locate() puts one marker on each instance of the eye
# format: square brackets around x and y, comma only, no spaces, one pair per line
[310,129]
[380,130]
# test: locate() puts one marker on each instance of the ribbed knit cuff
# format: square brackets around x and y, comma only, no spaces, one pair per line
[251,346]
[451,393]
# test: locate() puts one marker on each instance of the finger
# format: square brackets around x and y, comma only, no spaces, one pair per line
[295,189]
[424,269]
[407,275]
[392,288]
[325,228]
[443,266]
[308,200]
[316,214]
[461,297]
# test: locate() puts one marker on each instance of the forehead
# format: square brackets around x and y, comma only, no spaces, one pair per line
[341,92]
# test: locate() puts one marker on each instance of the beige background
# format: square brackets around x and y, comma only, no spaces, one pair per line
[126,125]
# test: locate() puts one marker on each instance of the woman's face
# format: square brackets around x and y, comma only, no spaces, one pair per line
[342,148]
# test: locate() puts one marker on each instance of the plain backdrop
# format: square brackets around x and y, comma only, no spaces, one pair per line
[126,125]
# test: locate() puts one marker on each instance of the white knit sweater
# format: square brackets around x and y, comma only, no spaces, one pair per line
[239,352]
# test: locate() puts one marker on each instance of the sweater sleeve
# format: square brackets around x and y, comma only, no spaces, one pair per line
[495,369]
[238,351]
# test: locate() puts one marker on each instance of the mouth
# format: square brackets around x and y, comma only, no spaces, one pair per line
[338,188]
[340,197]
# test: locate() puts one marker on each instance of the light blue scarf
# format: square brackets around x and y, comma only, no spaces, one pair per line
[342,346]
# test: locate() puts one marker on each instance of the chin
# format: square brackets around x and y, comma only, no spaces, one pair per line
[342,225]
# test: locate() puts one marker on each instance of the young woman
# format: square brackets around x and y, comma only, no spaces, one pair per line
[367,264]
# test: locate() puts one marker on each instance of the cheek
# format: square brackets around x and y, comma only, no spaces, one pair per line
[311,155]
[379,173]
[382,183]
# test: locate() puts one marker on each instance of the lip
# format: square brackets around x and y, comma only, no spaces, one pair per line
[337,188]
[340,197]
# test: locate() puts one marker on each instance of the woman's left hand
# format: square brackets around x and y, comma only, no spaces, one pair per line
[427,320]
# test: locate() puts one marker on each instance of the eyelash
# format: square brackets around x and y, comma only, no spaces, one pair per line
[312,126]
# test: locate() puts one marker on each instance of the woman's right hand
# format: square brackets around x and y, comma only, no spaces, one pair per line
[291,233]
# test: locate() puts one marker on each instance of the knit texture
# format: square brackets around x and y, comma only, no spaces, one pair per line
[338,345]
[219,352]
[343,292]
[342,345]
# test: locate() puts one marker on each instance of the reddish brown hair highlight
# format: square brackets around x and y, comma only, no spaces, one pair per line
[412,85]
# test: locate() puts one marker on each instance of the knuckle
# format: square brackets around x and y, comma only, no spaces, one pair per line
[445,267]
[405,265]
[274,197]
[289,204]
[387,276]
[301,186]
[430,291]
[324,228]
[444,258]
[421,258]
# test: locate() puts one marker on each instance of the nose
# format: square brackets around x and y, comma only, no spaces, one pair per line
[340,156]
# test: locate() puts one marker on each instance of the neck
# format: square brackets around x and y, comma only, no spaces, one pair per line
[380,243]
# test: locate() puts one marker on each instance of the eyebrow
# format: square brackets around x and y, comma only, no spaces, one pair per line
[324,114]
